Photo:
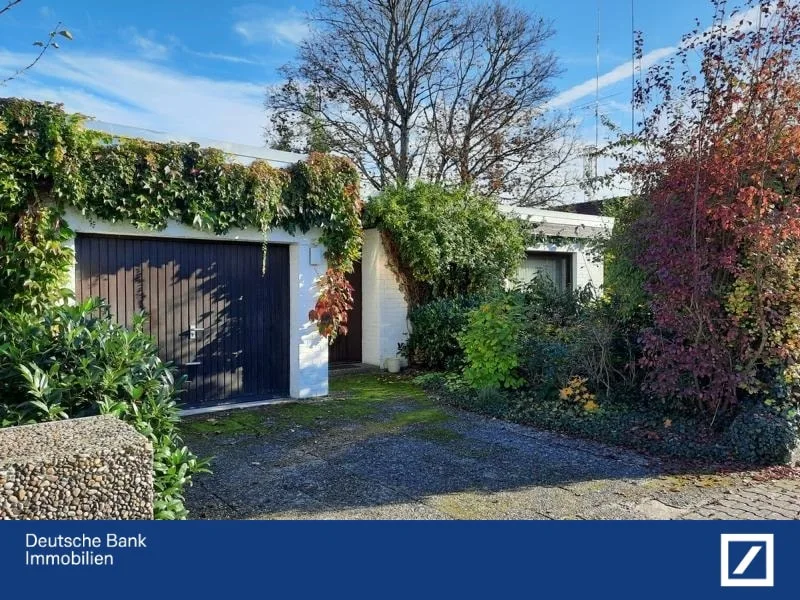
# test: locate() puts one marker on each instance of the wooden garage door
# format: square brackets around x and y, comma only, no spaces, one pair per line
[212,312]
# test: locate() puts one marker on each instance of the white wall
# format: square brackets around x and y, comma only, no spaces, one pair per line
[385,311]
[308,351]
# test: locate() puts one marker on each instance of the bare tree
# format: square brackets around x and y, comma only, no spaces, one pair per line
[445,91]
[44,46]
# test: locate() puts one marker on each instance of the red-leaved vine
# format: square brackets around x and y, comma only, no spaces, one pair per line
[717,167]
[334,301]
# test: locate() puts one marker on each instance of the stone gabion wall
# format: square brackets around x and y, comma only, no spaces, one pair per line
[91,468]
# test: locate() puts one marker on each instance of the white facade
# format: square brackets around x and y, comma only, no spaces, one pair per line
[575,232]
[385,310]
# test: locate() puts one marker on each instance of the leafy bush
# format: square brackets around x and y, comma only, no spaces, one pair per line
[760,434]
[545,364]
[720,226]
[431,381]
[435,327]
[74,361]
[573,333]
[491,343]
[447,242]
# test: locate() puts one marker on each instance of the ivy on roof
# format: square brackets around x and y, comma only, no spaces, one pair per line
[49,161]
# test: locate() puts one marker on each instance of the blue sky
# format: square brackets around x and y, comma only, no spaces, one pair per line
[200,68]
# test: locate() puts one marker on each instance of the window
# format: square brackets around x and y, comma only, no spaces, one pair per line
[557,267]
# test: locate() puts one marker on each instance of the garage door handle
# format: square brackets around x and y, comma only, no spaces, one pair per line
[196,363]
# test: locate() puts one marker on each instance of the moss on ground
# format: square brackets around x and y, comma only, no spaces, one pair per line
[377,387]
[238,421]
[366,400]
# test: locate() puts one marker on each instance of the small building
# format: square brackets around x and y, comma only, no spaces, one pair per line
[242,335]
[380,315]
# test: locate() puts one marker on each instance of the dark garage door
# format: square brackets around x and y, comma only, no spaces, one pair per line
[347,348]
[212,312]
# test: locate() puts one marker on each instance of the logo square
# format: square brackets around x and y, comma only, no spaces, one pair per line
[747,560]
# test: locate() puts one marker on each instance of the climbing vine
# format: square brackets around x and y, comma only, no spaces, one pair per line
[49,161]
[444,242]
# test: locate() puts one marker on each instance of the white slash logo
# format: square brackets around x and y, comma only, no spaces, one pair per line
[756,568]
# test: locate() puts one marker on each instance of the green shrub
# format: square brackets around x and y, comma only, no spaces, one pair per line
[435,327]
[545,364]
[572,333]
[759,434]
[447,241]
[491,343]
[75,361]
[431,381]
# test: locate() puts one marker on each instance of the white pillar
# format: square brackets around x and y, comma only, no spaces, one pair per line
[385,311]
[70,280]
[308,350]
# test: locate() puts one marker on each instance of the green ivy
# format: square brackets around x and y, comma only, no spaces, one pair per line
[49,161]
[447,242]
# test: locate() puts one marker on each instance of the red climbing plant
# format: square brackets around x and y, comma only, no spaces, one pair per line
[334,301]
[717,166]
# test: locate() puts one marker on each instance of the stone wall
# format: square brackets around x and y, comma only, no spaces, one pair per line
[91,468]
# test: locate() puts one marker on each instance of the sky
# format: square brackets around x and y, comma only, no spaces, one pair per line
[200,69]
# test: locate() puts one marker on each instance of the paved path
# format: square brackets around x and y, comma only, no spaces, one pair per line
[406,458]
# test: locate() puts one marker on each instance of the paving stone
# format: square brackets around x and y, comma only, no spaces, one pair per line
[468,467]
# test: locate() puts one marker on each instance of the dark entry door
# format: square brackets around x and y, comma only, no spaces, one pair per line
[347,348]
[223,323]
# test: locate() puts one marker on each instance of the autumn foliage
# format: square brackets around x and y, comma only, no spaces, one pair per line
[334,301]
[718,168]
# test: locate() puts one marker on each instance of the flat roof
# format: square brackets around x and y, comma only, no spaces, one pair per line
[241,152]
[560,223]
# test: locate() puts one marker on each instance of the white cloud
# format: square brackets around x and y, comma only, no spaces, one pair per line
[150,49]
[291,30]
[623,71]
[615,75]
[146,45]
[223,57]
[143,94]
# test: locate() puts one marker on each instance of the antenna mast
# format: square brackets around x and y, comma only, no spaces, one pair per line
[633,71]
[597,93]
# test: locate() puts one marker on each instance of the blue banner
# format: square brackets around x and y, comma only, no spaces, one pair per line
[514,559]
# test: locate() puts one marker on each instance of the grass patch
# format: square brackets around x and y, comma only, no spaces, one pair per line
[423,416]
[358,399]
[239,421]
[377,387]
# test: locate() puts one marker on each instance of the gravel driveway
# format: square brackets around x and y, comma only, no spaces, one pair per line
[379,448]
